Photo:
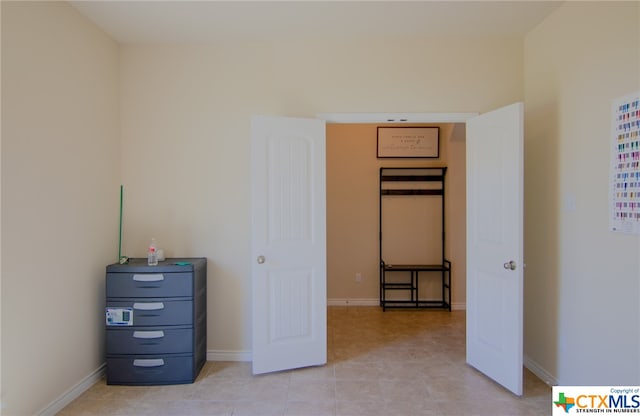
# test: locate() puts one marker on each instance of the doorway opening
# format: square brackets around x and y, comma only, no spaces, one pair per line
[492,203]
[353,212]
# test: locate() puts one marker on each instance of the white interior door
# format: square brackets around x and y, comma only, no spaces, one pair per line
[288,243]
[495,244]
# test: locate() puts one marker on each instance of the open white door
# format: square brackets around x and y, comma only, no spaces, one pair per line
[288,190]
[495,244]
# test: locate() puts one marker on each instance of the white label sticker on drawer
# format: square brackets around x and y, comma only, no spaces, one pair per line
[119,316]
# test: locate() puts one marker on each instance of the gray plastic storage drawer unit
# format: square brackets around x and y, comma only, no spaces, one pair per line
[156,320]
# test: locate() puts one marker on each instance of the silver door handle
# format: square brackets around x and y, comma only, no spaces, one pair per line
[510,265]
[261,259]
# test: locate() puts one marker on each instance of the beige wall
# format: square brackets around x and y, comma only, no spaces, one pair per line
[185,130]
[172,122]
[353,221]
[582,316]
[184,113]
[60,172]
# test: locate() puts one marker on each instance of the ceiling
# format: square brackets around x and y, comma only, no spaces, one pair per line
[209,21]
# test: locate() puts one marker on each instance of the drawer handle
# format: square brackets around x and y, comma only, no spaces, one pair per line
[148,362]
[148,277]
[148,334]
[148,306]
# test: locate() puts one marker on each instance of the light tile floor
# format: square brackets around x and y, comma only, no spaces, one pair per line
[399,362]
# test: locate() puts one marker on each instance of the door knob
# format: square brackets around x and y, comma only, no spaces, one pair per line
[261,259]
[510,265]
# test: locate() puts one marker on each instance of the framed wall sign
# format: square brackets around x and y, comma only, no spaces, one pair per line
[399,142]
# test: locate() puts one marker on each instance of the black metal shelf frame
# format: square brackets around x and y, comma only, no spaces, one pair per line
[413,181]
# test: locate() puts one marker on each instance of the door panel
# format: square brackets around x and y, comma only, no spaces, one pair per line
[494,240]
[288,243]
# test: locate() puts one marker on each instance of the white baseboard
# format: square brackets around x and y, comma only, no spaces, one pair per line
[85,384]
[227,355]
[74,392]
[455,306]
[539,371]
[353,302]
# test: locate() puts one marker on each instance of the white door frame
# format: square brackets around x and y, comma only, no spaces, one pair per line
[400,118]
[395,118]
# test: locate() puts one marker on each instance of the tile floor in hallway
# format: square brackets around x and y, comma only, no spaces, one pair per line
[399,362]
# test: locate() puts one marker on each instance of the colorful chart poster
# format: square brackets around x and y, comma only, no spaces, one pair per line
[625,165]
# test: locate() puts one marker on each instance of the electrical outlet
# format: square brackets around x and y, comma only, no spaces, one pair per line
[358,277]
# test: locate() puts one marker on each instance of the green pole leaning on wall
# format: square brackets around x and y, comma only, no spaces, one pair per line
[121,259]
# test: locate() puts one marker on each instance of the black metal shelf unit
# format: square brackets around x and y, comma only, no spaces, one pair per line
[413,181]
